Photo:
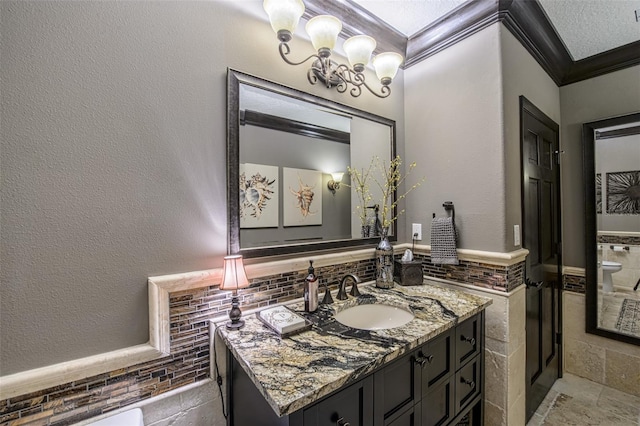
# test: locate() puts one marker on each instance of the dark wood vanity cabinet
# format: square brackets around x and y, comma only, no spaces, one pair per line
[438,383]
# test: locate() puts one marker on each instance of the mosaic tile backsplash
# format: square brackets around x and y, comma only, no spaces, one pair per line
[190,311]
[574,283]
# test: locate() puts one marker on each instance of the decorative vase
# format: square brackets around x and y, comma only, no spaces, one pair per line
[384,261]
[365,230]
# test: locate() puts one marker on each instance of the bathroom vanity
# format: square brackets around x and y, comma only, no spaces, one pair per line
[426,372]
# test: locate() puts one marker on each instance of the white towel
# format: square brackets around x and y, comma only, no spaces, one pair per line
[443,241]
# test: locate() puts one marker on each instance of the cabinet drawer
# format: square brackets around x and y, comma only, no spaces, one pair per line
[467,383]
[437,405]
[354,405]
[468,340]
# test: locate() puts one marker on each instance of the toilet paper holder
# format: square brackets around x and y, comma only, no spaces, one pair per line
[619,248]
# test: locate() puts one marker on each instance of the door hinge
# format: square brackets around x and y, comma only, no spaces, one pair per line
[558,338]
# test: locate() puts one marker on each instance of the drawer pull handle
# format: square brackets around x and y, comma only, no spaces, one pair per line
[469,340]
[469,383]
[423,360]
[341,422]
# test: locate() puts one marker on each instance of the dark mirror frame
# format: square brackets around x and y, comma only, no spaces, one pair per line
[234,80]
[591,232]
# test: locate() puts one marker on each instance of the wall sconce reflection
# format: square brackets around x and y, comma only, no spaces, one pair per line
[334,183]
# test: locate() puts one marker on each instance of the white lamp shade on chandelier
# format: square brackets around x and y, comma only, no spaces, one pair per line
[386,65]
[323,31]
[359,50]
[284,14]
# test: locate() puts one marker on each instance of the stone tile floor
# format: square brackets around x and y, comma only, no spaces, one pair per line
[576,401]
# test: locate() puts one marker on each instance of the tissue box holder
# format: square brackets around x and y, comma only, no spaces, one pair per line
[407,273]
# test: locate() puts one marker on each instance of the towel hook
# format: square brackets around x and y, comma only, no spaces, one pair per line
[448,205]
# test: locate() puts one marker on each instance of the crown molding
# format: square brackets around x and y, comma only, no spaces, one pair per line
[525,19]
[356,19]
[462,22]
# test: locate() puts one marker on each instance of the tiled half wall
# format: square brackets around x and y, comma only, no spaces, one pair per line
[189,313]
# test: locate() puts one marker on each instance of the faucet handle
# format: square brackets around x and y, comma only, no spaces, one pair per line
[354,289]
[327,299]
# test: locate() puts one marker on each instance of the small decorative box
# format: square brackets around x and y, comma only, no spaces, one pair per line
[407,273]
[283,321]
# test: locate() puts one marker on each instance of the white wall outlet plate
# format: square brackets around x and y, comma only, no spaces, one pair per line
[516,235]
[416,228]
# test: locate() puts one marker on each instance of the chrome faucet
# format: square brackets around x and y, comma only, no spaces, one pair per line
[342,293]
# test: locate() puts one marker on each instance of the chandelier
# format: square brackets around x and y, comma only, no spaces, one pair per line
[323,31]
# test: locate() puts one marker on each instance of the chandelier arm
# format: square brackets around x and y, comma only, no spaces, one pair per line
[384,90]
[358,79]
[345,75]
[285,50]
[311,76]
[338,72]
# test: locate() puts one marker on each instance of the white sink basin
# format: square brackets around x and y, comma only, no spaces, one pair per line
[374,316]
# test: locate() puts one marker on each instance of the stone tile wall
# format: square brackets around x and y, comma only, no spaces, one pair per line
[599,359]
[505,356]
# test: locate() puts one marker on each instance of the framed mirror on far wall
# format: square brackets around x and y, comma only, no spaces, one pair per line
[612,227]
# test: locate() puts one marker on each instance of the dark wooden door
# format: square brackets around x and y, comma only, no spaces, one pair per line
[541,236]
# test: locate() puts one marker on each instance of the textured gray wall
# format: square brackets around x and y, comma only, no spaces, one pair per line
[113,160]
[606,96]
[453,112]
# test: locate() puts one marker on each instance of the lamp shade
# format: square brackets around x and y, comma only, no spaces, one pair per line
[233,273]
[359,49]
[323,30]
[284,14]
[337,176]
[386,65]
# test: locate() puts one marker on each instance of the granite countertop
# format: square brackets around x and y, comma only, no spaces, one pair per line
[295,371]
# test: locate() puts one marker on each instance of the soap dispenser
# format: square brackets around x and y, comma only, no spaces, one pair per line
[311,290]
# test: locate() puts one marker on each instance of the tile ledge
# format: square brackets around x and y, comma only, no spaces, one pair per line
[492,257]
[36,379]
[572,270]
[476,288]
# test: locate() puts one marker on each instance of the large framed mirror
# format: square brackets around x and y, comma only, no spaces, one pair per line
[283,146]
[612,227]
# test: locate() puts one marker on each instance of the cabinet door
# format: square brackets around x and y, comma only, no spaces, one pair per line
[396,388]
[437,405]
[468,340]
[410,417]
[468,383]
[352,405]
[436,360]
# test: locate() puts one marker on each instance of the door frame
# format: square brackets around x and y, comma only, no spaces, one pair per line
[529,107]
